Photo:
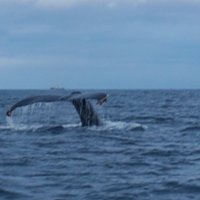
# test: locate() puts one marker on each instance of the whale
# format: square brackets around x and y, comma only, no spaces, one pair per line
[81,102]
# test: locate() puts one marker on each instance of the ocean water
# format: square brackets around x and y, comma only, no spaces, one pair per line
[147,149]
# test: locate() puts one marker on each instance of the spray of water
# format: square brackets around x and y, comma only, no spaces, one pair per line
[119,125]
[10,122]
[32,117]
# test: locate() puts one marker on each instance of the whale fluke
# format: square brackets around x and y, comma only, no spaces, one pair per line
[81,102]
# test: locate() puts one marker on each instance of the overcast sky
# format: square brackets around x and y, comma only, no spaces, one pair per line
[99,44]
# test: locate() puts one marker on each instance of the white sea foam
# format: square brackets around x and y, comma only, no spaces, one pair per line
[33,127]
[119,125]
[71,125]
[107,126]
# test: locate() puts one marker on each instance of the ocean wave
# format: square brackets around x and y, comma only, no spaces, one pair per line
[177,187]
[161,153]
[154,119]
[190,129]
[9,194]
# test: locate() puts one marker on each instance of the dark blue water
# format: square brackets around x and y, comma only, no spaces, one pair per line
[148,148]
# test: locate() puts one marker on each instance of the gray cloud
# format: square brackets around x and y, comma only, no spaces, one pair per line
[129,43]
[55,4]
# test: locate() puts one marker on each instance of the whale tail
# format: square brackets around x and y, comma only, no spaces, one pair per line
[81,102]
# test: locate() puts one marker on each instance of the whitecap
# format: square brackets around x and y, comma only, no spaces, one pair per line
[119,125]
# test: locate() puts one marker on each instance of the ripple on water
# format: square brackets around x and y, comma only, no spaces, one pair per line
[175,187]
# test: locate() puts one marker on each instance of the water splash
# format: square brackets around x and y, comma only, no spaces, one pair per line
[108,126]
[71,125]
[19,127]
[35,113]
[119,125]
[10,122]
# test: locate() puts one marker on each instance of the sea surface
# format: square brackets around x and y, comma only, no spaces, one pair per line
[147,149]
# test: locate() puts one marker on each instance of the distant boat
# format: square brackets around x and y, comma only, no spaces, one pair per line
[57,88]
